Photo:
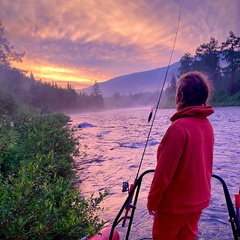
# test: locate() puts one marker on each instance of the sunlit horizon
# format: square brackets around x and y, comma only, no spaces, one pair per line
[80,42]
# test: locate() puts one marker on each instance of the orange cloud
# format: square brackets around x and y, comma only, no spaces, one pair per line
[88,40]
[61,75]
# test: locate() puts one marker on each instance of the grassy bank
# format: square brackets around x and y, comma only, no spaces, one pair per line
[37,196]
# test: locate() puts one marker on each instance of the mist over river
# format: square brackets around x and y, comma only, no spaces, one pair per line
[111,151]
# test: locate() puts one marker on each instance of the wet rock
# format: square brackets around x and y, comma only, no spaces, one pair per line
[85,125]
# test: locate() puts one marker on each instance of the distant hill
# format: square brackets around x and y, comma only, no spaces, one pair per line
[139,82]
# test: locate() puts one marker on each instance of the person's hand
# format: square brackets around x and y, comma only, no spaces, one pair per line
[153,213]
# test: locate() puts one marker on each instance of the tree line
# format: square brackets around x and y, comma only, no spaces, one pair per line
[220,62]
[17,89]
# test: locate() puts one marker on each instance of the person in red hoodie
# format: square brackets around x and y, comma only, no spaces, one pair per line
[181,187]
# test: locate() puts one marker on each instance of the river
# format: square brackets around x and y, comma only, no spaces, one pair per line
[110,153]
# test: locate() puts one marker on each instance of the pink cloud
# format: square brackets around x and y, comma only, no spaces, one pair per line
[108,38]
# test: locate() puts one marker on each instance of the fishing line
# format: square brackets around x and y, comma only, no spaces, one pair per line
[160,96]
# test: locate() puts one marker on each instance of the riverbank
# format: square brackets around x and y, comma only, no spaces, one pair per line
[38,200]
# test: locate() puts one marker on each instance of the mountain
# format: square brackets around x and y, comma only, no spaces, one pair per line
[138,82]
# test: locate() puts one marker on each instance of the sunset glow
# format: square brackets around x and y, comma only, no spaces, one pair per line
[86,40]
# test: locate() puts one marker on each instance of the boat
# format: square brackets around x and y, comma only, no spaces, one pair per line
[130,204]
[104,234]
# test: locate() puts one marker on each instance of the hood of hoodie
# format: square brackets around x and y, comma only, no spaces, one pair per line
[193,111]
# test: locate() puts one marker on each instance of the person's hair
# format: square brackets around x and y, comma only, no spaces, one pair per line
[195,89]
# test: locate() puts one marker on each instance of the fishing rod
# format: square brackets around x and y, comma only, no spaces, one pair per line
[160,95]
[125,186]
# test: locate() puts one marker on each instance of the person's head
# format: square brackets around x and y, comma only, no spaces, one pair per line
[193,90]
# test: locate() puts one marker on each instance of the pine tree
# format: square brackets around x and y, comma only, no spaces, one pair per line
[207,59]
[7,54]
[231,54]
[97,97]
[185,64]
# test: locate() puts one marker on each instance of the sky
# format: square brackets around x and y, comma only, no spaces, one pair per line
[83,41]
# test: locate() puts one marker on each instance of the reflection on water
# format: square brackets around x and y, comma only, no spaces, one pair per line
[111,152]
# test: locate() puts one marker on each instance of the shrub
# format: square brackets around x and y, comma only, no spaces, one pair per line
[235,99]
[37,196]
[224,99]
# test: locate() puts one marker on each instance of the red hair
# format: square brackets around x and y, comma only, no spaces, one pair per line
[194,88]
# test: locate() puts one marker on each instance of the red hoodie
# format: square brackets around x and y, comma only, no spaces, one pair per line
[181,182]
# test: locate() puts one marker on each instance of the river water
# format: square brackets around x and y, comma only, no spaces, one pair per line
[111,150]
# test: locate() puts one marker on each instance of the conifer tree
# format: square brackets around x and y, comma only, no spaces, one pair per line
[185,64]
[7,53]
[207,59]
[231,54]
[97,97]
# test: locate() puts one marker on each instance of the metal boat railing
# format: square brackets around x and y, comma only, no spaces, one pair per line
[131,203]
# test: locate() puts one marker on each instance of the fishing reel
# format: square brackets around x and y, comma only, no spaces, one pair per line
[125,187]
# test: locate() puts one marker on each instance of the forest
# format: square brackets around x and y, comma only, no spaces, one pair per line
[17,90]
[220,62]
